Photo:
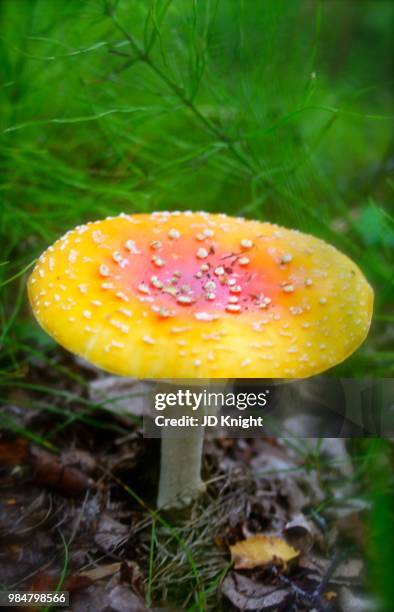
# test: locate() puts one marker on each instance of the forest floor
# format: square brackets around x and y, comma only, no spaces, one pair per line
[78,488]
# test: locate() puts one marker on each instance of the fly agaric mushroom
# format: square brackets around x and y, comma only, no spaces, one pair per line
[196,295]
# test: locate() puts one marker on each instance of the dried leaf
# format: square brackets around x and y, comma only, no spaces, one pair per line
[123,599]
[101,571]
[76,583]
[50,471]
[350,570]
[97,598]
[294,491]
[131,574]
[350,602]
[125,397]
[110,533]
[42,582]
[80,459]
[13,452]
[347,520]
[261,550]
[299,532]
[245,594]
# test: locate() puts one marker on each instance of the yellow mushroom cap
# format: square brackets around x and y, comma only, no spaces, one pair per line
[197,295]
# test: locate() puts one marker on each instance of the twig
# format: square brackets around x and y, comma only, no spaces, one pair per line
[328,574]
[144,56]
[315,599]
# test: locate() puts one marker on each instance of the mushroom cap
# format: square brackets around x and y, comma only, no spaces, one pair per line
[198,295]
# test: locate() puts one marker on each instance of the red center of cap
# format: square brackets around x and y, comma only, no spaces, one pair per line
[186,275]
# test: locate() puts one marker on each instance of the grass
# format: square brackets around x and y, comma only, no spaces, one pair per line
[274,109]
[239,107]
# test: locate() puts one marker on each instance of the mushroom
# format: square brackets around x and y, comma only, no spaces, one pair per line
[197,295]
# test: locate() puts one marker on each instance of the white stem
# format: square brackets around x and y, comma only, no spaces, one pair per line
[180,468]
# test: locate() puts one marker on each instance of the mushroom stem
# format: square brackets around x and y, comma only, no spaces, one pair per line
[180,468]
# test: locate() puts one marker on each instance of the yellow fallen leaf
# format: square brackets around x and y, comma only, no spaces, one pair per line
[261,550]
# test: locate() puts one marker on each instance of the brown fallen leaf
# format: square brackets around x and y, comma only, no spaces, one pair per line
[131,574]
[101,571]
[347,572]
[79,459]
[13,452]
[110,533]
[50,471]
[245,594]
[76,583]
[261,550]
[98,598]
[42,582]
